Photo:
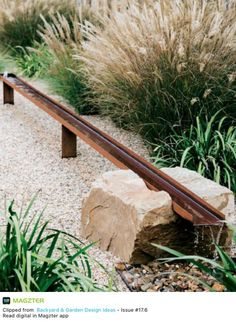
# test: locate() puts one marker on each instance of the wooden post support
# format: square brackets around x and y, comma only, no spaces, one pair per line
[8,94]
[68,143]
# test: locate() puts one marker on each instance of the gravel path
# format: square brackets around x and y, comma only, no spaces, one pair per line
[30,161]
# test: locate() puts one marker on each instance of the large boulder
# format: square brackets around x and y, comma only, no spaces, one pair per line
[119,211]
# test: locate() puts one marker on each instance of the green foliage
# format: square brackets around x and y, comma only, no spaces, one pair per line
[38,259]
[208,147]
[70,86]
[1,66]
[20,20]
[33,62]
[224,270]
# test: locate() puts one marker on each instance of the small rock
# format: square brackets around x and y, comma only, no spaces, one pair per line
[129,278]
[218,287]
[135,285]
[156,288]
[184,286]
[211,283]
[145,280]
[154,265]
[120,266]
[145,287]
[192,286]
[136,275]
[158,285]
[167,289]
[128,267]
[199,289]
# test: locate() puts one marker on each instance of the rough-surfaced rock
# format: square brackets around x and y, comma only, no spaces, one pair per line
[126,218]
[216,195]
[120,209]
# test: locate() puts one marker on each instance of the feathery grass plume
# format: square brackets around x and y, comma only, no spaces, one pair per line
[20,19]
[163,63]
[94,10]
[105,7]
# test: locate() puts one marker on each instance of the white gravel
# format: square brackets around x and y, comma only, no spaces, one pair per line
[30,161]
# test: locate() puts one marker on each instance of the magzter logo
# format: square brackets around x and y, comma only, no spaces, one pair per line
[6,300]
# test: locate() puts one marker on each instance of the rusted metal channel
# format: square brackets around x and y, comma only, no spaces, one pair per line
[186,204]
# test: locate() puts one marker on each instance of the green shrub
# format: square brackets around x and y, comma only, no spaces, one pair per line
[38,259]
[223,270]
[163,64]
[20,19]
[33,62]
[208,148]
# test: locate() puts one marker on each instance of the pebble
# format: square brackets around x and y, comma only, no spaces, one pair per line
[136,275]
[145,287]
[218,287]
[129,277]
[158,285]
[120,266]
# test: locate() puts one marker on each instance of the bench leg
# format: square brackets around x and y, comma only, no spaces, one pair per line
[8,94]
[68,143]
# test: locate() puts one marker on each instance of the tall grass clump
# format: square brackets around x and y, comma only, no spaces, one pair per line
[35,258]
[63,38]
[163,63]
[20,19]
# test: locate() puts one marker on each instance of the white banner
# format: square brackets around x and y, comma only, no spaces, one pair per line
[117,307]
